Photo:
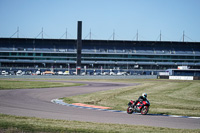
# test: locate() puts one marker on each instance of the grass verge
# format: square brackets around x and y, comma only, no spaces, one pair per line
[16,124]
[166,96]
[160,91]
[16,84]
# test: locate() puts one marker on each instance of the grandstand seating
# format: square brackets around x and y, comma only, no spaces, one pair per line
[103,52]
[136,50]
[100,48]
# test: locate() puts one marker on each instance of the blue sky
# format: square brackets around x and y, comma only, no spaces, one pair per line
[125,17]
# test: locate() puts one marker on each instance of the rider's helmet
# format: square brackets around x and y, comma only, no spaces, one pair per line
[144,95]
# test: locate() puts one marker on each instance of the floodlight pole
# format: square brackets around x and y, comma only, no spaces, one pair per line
[17,32]
[160,35]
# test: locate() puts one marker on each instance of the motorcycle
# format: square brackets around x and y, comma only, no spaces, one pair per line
[140,107]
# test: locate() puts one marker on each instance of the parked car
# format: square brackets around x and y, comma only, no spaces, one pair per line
[97,73]
[38,72]
[48,73]
[19,72]
[105,73]
[84,73]
[60,73]
[66,73]
[122,73]
[112,73]
[4,72]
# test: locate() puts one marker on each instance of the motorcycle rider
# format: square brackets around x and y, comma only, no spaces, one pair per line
[141,99]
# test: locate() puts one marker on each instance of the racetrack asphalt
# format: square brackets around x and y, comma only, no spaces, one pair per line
[37,103]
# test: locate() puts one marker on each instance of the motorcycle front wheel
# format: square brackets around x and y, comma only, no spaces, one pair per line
[129,110]
[144,110]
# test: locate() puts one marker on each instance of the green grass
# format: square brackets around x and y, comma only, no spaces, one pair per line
[16,124]
[17,84]
[166,97]
[169,97]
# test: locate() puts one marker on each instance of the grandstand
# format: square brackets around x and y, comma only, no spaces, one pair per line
[98,54]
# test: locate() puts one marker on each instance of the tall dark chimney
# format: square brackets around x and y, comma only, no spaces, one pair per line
[79,48]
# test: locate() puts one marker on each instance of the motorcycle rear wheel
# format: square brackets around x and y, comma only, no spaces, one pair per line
[144,110]
[129,110]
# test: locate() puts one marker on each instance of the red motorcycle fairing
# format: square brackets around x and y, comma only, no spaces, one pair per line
[132,102]
[141,107]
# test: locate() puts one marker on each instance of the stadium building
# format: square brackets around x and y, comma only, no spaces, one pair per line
[98,54]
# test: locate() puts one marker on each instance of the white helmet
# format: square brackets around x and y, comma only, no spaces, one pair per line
[144,95]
